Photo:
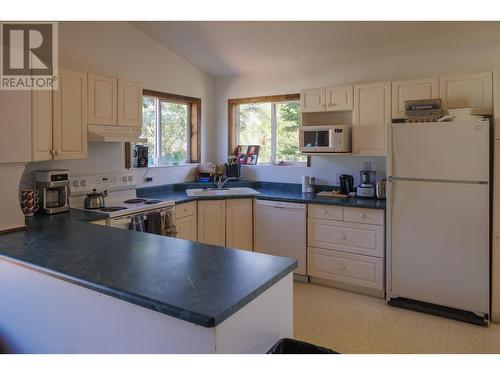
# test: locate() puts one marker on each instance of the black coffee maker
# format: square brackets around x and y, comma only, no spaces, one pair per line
[346,183]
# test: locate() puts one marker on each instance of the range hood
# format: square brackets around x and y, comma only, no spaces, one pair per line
[103,133]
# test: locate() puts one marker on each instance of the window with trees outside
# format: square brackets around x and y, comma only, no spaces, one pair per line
[271,122]
[170,125]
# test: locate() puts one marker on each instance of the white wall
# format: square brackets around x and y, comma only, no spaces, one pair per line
[326,168]
[119,49]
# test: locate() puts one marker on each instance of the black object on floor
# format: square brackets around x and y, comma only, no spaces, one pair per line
[446,312]
[291,346]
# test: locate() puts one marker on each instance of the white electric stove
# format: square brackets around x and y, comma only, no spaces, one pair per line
[122,202]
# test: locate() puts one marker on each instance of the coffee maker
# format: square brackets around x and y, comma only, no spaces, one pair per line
[53,187]
[366,189]
[346,183]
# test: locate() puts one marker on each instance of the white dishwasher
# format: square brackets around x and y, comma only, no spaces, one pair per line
[280,229]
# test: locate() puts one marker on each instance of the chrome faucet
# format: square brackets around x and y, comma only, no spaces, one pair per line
[220,183]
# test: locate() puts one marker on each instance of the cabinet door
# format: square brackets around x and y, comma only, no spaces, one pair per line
[129,103]
[15,127]
[412,90]
[372,113]
[467,91]
[70,116]
[339,98]
[346,268]
[312,100]
[239,224]
[102,100]
[212,222]
[187,228]
[41,125]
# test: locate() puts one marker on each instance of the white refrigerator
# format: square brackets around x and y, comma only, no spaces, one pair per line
[438,214]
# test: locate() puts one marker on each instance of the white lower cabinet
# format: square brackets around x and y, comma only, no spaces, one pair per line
[186,221]
[212,222]
[226,223]
[346,247]
[346,268]
[239,224]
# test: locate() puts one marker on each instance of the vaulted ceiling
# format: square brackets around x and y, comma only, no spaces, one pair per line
[234,48]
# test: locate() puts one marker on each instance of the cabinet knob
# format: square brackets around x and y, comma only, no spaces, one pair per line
[324,212]
[52,152]
[57,152]
[342,268]
[344,237]
[362,215]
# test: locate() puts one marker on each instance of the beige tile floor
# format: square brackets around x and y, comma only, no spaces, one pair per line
[353,323]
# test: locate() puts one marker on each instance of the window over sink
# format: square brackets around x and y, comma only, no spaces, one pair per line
[272,122]
[170,123]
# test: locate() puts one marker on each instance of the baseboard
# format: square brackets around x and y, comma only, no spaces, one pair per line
[446,312]
[351,288]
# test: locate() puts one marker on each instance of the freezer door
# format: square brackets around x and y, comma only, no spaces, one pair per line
[440,150]
[438,243]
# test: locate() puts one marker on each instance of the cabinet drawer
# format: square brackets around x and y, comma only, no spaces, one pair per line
[346,268]
[185,209]
[348,237]
[321,211]
[364,215]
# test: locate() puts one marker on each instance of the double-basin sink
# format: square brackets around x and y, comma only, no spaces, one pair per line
[234,191]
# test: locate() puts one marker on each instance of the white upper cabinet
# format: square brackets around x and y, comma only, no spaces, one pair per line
[41,125]
[339,98]
[102,92]
[467,91]
[330,99]
[129,103]
[372,113]
[412,90]
[312,100]
[70,116]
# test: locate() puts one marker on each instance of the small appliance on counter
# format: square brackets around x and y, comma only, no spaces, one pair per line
[380,188]
[346,183]
[308,184]
[366,189]
[53,188]
[140,156]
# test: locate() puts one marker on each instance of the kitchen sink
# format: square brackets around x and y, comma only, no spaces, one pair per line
[224,192]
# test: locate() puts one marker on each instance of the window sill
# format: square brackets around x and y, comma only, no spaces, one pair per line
[264,165]
[169,166]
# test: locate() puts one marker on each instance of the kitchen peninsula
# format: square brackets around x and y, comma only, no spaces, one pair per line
[69,286]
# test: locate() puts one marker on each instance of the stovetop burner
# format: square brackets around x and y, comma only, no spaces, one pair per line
[135,200]
[153,201]
[113,209]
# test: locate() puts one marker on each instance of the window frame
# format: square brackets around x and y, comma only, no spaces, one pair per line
[233,121]
[194,121]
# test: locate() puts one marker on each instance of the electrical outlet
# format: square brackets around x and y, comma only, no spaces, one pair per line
[148,179]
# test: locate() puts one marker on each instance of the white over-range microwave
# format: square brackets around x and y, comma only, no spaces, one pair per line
[325,138]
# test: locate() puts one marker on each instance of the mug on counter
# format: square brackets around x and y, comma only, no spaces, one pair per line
[29,201]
